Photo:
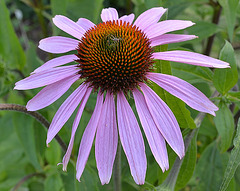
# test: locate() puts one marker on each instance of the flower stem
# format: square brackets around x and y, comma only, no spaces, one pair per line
[36,115]
[117,169]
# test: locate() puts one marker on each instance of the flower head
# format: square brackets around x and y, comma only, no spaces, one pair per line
[113,58]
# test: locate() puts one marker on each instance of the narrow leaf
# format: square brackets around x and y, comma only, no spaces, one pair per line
[234,161]
[225,126]
[176,105]
[10,49]
[230,12]
[188,164]
[210,168]
[24,128]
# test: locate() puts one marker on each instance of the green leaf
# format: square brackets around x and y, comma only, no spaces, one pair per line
[176,105]
[233,96]
[53,182]
[10,48]
[210,168]
[188,165]
[225,79]
[225,126]
[32,59]
[53,153]
[234,161]
[192,74]
[24,128]
[199,29]
[230,12]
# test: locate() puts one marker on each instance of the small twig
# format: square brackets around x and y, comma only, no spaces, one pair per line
[216,16]
[36,115]
[25,178]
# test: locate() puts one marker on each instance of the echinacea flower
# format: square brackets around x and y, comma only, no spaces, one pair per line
[114,58]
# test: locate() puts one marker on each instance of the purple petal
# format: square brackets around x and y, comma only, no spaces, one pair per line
[127,18]
[68,26]
[184,91]
[154,137]
[88,136]
[131,139]
[109,14]
[65,111]
[170,38]
[166,26]
[190,58]
[106,140]
[58,44]
[56,62]
[50,93]
[46,77]
[85,23]
[164,119]
[149,17]
[74,129]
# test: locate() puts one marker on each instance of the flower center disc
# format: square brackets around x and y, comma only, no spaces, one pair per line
[114,56]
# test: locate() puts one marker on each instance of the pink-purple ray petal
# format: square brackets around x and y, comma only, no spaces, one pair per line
[170,38]
[50,93]
[166,26]
[164,119]
[190,58]
[74,128]
[56,62]
[58,44]
[68,26]
[88,137]
[109,14]
[85,23]
[184,91]
[154,137]
[149,17]
[127,18]
[106,139]
[46,77]
[65,111]
[131,139]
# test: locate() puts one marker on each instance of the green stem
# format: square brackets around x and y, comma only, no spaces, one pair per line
[117,169]
[36,115]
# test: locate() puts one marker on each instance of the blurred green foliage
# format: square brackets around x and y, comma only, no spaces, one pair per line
[26,164]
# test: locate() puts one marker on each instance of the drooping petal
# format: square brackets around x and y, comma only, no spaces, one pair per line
[65,111]
[50,93]
[190,58]
[154,137]
[164,119]
[109,14]
[85,23]
[46,77]
[68,26]
[166,26]
[88,137]
[56,62]
[131,139]
[184,91]
[127,18]
[149,17]
[74,129]
[58,44]
[170,38]
[106,139]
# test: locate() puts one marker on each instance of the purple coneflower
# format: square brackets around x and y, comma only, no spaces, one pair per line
[113,58]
